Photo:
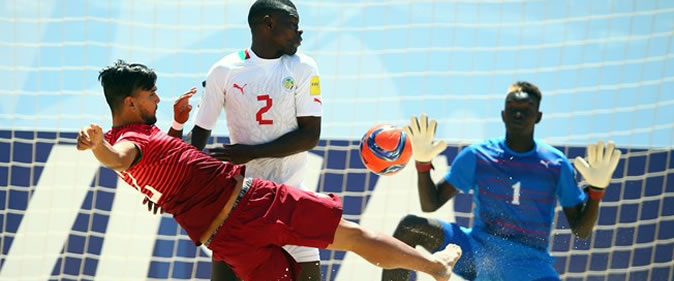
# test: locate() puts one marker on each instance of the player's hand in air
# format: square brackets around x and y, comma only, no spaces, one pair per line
[421,132]
[182,107]
[598,169]
[233,153]
[152,207]
[89,137]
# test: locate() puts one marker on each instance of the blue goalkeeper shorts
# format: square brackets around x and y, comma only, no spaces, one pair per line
[489,257]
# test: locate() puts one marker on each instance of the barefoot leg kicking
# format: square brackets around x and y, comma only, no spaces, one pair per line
[387,252]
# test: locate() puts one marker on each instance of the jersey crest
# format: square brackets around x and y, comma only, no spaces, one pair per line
[288,83]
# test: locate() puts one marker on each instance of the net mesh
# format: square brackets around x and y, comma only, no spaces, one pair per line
[605,68]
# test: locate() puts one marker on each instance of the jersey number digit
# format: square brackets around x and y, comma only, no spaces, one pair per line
[263,110]
[516,194]
[156,195]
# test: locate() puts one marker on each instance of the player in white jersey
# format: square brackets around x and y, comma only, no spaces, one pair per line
[264,99]
[272,101]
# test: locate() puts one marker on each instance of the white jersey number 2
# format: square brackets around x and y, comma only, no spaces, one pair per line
[263,110]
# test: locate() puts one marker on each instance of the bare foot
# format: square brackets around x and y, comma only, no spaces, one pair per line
[448,258]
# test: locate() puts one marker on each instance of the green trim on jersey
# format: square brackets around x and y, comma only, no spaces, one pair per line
[243,55]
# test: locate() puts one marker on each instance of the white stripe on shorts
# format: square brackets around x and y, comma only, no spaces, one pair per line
[303,254]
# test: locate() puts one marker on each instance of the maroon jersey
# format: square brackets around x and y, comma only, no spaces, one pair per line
[182,180]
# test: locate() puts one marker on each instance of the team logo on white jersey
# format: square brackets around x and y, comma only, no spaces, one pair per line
[240,88]
[288,83]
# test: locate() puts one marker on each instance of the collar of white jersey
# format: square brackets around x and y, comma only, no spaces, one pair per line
[254,58]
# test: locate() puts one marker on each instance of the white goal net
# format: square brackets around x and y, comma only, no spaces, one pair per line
[606,70]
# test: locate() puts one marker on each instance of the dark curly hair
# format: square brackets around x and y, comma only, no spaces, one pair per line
[123,79]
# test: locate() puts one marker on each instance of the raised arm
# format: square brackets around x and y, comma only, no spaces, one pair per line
[181,112]
[597,171]
[432,196]
[583,217]
[421,132]
[119,157]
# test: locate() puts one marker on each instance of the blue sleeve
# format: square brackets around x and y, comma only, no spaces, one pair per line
[568,192]
[462,172]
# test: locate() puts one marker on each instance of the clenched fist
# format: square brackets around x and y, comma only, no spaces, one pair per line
[89,137]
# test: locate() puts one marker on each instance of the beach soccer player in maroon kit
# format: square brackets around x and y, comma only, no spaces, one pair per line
[244,220]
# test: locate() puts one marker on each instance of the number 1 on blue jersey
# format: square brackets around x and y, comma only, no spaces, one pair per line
[516,194]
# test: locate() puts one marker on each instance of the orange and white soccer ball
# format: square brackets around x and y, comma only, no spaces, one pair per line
[385,149]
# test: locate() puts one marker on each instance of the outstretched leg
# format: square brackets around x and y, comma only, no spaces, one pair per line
[413,230]
[387,252]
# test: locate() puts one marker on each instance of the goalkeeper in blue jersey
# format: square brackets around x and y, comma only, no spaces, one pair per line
[516,183]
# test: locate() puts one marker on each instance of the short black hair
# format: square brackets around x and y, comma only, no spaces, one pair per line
[123,79]
[528,88]
[261,8]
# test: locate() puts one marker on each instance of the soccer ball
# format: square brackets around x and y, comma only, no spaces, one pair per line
[385,149]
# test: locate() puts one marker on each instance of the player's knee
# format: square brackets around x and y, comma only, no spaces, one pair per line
[407,228]
[350,234]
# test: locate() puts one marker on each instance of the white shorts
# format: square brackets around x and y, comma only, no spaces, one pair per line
[303,254]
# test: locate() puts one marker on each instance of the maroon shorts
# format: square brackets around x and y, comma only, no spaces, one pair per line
[269,216]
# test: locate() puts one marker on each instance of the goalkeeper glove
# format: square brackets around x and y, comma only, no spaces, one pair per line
[421,133]
[599,166]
